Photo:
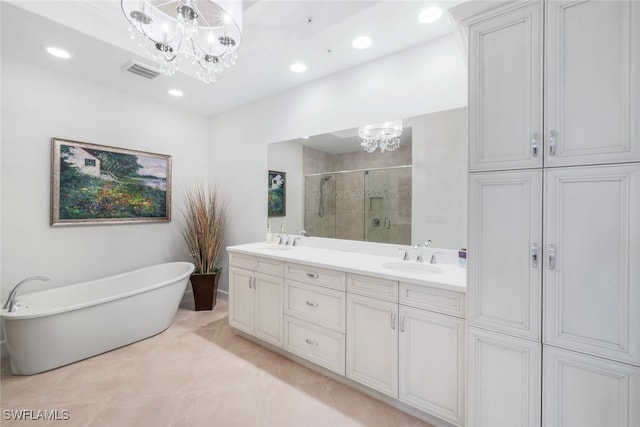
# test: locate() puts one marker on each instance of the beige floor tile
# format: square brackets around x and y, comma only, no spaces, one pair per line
[196,373]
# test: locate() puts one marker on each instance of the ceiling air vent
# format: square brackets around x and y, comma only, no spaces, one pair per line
[141,70]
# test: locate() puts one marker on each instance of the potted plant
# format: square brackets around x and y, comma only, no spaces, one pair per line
[203,232]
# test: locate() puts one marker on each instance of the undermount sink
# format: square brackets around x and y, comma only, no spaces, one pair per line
[411,267]
[276,247]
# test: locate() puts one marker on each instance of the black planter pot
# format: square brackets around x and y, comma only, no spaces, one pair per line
[205,290]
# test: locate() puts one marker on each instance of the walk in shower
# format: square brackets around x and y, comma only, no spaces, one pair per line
[372,205]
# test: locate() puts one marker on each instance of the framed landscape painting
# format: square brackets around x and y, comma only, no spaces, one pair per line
[96,184]
[277,194]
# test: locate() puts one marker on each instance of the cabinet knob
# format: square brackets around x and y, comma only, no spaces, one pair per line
[312,304]
[534,255]
[393,320]
[312,342]
[402,323]
[312,275]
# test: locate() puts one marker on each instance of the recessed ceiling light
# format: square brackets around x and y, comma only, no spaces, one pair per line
[298,67]
[58,53]
[361,42]
[175,92]
[430,14]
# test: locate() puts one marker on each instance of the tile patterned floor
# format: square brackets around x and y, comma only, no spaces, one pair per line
[196,373]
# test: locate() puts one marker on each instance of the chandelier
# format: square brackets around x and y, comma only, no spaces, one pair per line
[207,32]
[384,135]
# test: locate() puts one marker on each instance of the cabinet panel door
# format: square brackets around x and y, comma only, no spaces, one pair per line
[592,101]
[504,281]
[432,363]
[372,343]
[503,382]
[592,260]
[581,390]
[241,299]
[268,308]
[505,91]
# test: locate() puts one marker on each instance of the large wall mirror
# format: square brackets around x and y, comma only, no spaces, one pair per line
[417,192]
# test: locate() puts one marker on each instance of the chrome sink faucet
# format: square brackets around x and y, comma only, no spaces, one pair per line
[11,301]
[434,259]
[405,256]
[283,240]
[419,247]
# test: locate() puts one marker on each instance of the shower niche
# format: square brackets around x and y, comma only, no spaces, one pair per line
[371,205]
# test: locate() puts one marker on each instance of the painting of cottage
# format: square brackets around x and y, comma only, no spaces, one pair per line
[98,184]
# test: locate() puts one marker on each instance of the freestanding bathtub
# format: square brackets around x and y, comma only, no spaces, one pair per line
[58,326]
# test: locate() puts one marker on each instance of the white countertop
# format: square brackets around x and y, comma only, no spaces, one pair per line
[452,277]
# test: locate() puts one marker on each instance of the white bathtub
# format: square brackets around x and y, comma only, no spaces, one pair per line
[58,326]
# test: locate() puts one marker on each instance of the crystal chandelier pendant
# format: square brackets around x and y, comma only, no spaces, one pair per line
[208,32]
[384,135]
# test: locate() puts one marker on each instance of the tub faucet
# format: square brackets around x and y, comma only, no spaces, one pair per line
[11,301]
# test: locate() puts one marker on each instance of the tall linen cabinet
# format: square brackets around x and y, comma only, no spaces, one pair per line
[553,327]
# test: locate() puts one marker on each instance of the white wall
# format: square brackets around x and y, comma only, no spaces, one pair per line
[427,78]
[37,105]
[287,157]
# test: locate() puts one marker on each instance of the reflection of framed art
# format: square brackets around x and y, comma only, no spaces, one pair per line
[277,193]
[96,184]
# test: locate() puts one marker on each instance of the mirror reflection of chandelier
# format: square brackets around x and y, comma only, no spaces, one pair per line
[206,31]
[385,135]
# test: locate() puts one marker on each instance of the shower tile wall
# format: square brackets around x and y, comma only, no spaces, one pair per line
[350,206]
[345,201]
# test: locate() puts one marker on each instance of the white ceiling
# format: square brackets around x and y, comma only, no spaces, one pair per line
[275,34]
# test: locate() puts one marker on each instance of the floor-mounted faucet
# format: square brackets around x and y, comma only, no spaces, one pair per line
[11,301]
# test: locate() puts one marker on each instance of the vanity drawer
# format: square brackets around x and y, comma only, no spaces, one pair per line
[373,287]
[315,276]
[268,266]
[241,260]
[315,343]
[321,306]
[438,300]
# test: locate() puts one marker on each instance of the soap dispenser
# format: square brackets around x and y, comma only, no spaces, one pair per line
[269,238]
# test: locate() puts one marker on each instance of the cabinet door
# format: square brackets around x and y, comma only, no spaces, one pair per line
[505,90]
[503,382]
[432,363]
[241,299]
[505,229]
[592,86]
[372,343]
[581,390]
[268,308]
[592,273]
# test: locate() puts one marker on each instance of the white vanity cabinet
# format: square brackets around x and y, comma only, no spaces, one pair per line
[505,238]
[592,260]
[431,363]
[538,227]
[402,342]
[576,385]
[255,297]
[505,89]
[314,315]
[372,343]
[591,84]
